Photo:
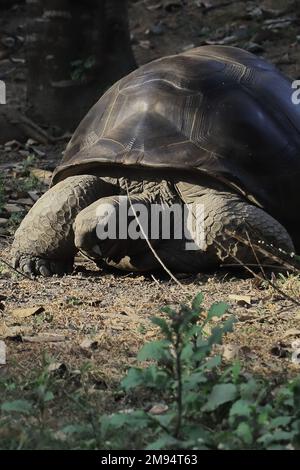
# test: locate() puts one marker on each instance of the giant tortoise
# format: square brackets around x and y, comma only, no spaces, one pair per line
[214,127]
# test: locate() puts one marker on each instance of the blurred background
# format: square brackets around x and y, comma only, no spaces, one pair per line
[58,56]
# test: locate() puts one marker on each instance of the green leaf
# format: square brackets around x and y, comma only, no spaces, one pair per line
[136,420]
[278,436]
[165,419]
[193,380]
[76,429]
[164,442]
[217,309]
[213,362]
[168,310]
[197,302]
[220,394]
[156,350]
[219,331]
[49,396]
[249,389]
[245,433]
[240,408]
[18,406]
[133,379]
[187,352]
[163,325]
[280,421]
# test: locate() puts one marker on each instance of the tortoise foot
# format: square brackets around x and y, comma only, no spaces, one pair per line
[35,266]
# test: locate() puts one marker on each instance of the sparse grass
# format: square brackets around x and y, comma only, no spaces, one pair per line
[181,396]
[2,193]
[22,184]
[15,220]
[289,284]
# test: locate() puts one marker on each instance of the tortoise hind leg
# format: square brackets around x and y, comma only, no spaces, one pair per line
[44,242]
[226,215]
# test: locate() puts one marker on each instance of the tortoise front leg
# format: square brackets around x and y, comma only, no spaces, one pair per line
[44,242]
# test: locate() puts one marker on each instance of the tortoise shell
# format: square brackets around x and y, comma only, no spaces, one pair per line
[213,110]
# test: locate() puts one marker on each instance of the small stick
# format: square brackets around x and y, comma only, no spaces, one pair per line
[17,271]
[255,255]
[149,244]
[265,252]
[288,297]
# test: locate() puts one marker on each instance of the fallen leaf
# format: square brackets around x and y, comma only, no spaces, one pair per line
[291,332]
[157,6]
[88,343]
[12,332]
[145,44]
[27,312]
[158,409]
[230,351]
[24,201]
[296,344]
[241,299]
[2,353]
[57,368]
[42,175]
[34,195]
[11,208]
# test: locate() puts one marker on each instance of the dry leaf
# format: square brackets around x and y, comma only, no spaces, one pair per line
[57,368]
[34,195]
[42,175]
[12,331]
[158,409]
[291,332]
[11,208]
[88,343]
[241,299]
[230,351]
[2,353]
[27,312]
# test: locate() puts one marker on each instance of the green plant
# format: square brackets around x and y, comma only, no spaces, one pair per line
[73,301]
[206,406]
[80,67]
[15,219]
[27,164]
[181,373]
[181,397]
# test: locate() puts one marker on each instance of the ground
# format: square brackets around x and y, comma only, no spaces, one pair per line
[103,318]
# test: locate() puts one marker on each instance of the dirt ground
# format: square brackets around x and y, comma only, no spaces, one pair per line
[104,317]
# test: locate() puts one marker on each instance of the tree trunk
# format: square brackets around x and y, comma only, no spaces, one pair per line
[75,50]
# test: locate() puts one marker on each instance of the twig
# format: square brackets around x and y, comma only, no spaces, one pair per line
[255,255]
[149,244]
[17,271]
[206,9]
[261,279]
[265,252]
[252,265]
